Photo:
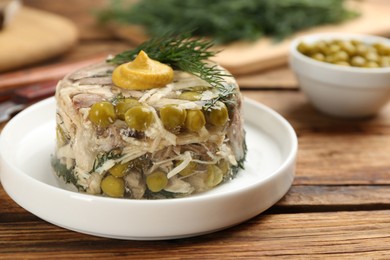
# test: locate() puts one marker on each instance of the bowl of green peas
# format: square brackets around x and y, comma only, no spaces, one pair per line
[345,75]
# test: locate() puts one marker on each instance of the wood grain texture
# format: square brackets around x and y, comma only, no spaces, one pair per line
[317,198]
[322,235]
[280,77]
[337,208]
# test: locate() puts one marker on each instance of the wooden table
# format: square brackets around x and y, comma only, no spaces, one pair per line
[338,206]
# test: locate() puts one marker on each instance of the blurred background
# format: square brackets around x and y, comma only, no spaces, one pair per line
[41,40]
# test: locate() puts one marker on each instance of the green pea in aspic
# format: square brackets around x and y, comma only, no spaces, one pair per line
[113,186]
[173,117]
[195,120]
[190,95]
[139,118]
[119,170]
[214,176]
[218,114]
[189,169]
[123,105]
[102,114]
[156,181]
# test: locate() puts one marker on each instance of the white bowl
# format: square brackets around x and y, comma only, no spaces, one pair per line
[340,90]
[27,142]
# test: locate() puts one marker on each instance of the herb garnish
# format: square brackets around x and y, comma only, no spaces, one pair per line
[65,173]
[224,95]
[227,20]
[104,157]
[180,52]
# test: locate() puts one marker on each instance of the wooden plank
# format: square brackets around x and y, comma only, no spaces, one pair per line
[299,199]
[310,198]
[305,235]
[331,198]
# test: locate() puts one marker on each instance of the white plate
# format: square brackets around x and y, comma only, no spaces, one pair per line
[27,143]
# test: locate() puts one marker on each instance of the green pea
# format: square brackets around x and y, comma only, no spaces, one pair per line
[348,53]
[195,120]
[200,88]
[214,176]
[321,47]
[172,116]
[224,166]
[330,58]
[218,115]
[334,48]
[371,64]
[362,49]
[318,56]
[139,118]
[102,114]
[385,61]
[119,170]
[156,181]
[189,169]
[304,48]
[372,56]
[358,61]
[341,56]
[113,186]
[387,51]
[348,47]
[379,47]
[190,95]
[123,105]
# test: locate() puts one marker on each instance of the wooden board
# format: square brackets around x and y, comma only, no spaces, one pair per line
[245,58]
[34,36]
[322,235]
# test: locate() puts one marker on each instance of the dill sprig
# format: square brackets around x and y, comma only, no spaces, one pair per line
[104,157]
[180,52]
[63,172]
[224,95]
[228,20]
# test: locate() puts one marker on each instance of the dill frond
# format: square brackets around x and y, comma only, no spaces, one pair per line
[180,52]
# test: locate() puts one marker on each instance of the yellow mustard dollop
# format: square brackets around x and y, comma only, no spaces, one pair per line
[142,73]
